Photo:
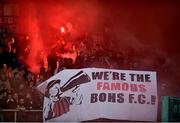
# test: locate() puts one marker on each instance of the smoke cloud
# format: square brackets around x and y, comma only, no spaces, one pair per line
[150,28]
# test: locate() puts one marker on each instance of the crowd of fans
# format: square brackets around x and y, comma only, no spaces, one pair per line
[18,83]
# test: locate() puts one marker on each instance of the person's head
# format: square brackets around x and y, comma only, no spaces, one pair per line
[5,94]
[33,77]
[41,77]
[53,90]
[4,66]
[17,75]
[15,96]
[28,96]
[29,76]
[9,96]
[21,86]
[9,91]
[31,84]
[21,100]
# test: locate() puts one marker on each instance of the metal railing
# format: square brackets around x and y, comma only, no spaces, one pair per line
[16,111]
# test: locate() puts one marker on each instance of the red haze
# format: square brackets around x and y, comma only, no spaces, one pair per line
[44,21]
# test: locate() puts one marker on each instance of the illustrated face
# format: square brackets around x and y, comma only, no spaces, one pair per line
[54,92]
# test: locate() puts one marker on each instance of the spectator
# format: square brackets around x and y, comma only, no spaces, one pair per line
[21,107]
[16,98]
[17,80]
[57,69]
[22,90]
[4,98]
[29,102]
[5,82]
[40,78]
[10,102]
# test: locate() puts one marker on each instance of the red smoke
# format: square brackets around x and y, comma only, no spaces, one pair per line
[45,22]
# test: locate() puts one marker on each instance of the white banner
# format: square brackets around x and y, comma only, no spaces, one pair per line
[92,93]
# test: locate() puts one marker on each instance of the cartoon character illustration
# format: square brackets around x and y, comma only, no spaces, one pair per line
[60,104]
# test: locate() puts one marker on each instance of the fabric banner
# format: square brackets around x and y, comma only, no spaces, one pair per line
[92,93]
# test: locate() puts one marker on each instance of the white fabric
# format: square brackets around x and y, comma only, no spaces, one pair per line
[101,108]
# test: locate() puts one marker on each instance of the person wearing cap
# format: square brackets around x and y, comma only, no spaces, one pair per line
[60,104]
